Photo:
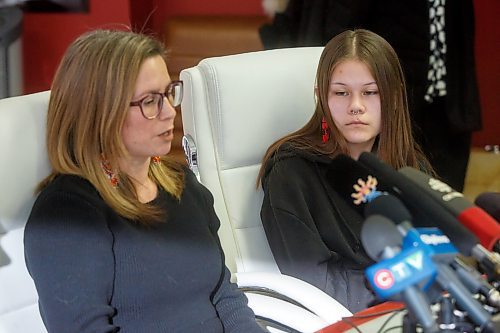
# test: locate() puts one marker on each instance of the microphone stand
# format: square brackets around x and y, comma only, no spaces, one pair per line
[447,318]
[409,323]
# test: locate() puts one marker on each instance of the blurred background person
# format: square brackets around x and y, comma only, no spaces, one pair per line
[434,40]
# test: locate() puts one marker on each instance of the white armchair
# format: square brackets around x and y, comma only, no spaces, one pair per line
[23,163]
[234,107]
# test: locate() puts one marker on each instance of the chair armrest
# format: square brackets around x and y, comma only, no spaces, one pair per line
[288,316]
[308,296]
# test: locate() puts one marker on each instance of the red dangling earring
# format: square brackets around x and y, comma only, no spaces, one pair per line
[325,131]
[156,159]
[106,167]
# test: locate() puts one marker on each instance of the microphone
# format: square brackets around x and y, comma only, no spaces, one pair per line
[490,202]
[441,250]
[353,182]
[424,207]
[471,216]
[473,280]
[398,274]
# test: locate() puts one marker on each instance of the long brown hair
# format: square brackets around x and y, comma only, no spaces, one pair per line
[395,144]
[89,99]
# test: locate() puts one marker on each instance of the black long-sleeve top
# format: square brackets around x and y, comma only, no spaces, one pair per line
[313,233]
[98,272]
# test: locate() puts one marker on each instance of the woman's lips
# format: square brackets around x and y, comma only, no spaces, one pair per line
[357,122]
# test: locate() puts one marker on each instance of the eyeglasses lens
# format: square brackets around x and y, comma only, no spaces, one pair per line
[152,105]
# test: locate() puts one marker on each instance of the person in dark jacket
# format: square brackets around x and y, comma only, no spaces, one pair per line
[443,119]
[361,106]
[122,239]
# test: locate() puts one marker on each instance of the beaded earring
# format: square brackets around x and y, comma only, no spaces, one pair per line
[325,130]
[106,167]
[156,159]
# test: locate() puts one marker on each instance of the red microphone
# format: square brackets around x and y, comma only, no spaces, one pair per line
[490,203]
[480,223]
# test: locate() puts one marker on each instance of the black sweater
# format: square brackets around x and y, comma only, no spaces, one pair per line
[313,233]
[98,272]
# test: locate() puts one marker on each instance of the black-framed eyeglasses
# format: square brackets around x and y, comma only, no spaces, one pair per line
[152,104]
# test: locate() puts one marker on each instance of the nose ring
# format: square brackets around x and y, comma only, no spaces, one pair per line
[355,112]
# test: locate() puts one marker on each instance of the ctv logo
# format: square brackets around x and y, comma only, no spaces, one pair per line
[412,266]
[385,278]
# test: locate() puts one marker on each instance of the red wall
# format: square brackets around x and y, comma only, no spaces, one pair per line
[487,46]
[167,8]
[142,13]
[488,70]
[47,35]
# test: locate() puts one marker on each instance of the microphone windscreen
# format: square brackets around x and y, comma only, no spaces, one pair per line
[469,215]
[454,201]
[421,204]
[390,207]
[490,202]
[378,233]
[353,182]
[482,225]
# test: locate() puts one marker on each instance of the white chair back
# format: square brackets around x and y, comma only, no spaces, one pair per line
[234,108]
[23,163]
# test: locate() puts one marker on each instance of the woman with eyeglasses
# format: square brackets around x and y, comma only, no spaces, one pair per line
[120,238]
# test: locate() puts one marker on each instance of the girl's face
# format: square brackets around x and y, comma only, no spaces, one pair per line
[354,102]
[143,137]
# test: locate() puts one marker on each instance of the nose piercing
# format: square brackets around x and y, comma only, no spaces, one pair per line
[355,112]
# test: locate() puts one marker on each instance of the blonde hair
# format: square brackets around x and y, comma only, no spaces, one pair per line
[89,99]
[395,144]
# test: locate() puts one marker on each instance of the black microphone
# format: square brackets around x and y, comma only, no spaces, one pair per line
[490,202]
[353,182]
[427,212]
[394,209]
[469,215]
[382,241]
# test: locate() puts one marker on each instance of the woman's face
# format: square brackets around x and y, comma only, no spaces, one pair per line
[354,103]
[143,137]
